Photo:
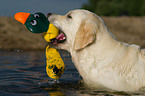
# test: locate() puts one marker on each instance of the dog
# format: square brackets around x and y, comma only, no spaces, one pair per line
[101,60]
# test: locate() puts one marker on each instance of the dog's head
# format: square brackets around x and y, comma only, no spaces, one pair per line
[79,26]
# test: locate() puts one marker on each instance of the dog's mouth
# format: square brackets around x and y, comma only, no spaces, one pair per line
[59,39]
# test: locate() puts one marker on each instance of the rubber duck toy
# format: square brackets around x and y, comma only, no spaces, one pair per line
[38,23]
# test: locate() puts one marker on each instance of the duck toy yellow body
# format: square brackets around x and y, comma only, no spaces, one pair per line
[38,23]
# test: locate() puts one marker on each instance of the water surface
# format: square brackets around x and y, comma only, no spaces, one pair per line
[23,74]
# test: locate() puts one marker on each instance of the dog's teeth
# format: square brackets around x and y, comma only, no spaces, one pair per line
[63,38]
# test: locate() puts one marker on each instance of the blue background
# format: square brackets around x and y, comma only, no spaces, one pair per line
[10,7]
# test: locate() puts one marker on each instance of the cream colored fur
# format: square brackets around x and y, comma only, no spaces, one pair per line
[101,60]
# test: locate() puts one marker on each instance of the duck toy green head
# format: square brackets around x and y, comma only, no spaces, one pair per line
[35,23]
[38,23]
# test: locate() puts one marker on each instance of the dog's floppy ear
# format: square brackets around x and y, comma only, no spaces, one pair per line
[85,35]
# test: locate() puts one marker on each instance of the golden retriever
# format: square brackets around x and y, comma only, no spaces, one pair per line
[101,60]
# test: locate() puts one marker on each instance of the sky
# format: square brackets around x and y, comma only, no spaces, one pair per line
[10,7]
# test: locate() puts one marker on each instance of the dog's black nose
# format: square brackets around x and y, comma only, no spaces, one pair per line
[49,14]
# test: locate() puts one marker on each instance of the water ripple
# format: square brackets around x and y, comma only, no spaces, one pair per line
[23,74]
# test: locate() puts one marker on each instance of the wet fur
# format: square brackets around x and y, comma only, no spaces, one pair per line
[101,60]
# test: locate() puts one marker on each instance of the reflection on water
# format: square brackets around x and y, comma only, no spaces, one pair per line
[23,73]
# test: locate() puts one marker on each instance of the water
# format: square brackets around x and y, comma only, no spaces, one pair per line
[23,74]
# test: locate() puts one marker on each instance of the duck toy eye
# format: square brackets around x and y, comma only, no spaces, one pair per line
[33,22]
[36,16]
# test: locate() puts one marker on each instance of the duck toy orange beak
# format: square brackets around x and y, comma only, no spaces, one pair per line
[21,17]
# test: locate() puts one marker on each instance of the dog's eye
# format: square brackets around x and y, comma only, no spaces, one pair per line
[68,16]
